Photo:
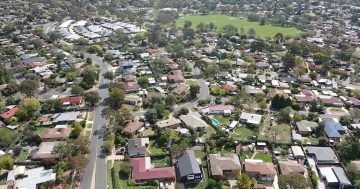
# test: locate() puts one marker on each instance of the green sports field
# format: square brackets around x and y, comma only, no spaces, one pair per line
[240,22]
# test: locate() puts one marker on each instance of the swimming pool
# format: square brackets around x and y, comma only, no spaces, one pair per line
[214,121]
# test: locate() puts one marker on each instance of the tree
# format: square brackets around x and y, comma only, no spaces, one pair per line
[345,120]
[109,75]
[28,107]
[76,131]
[125,168]
[230,30]
[6,162]
[252,32]
[88,60]
[283,115]
[92,97]
[187,24]
[79,163]
[108,56]
[143,82]
[151,116]
[77,90]
[54,36]
[349,149]
[29,87]
[194,90]
[279,102]
[355,114]
[90,75]
[279,37]
[293,180]
[170,100]
[243,181]
[323,141]
[289,61]
[116,98]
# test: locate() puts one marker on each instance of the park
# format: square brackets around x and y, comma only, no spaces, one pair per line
[264,31]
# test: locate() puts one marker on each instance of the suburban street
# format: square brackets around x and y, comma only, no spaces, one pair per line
[95,172]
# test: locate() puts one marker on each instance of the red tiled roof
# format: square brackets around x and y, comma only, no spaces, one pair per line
[73,99]
[128,86]
[300,98]
[260,168]
[139,172]
[55,133]
[9,113]
[222,107]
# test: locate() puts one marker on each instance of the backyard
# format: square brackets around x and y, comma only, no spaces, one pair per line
[267,30]
[243,133]
[263,156]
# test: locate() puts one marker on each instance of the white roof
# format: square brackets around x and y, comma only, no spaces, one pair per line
[251,118]
[233,124]
[34,177]
[66,23]
[297,151]
[329,174]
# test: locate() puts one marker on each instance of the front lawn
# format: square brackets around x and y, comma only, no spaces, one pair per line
[23,155]
[108,175]
[263,156]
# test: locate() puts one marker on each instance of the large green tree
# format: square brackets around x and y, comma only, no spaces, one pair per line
[28,107]
[29,87]
[116,98]
[243,181]
[293,180]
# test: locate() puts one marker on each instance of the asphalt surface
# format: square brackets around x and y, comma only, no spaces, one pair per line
[95,172]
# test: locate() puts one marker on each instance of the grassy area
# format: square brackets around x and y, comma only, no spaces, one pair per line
[89,125]
[209,130]
[191,82]
[311,139]
[88,134]
[40,130]
[23,155]
[155,151]
[108,175]
[224,151]
[123,180]
[242,133]
[148,132]
[161,161]
[263,156]
[220,21]
[278,133]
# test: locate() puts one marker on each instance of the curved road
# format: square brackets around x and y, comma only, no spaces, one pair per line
[95,171]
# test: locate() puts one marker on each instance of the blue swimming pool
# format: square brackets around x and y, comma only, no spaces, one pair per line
[214,121]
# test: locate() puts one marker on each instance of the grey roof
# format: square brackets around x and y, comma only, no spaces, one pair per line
[323,153]
[187,164]
[67,116]
[193,120]
[341,176]
[137,146]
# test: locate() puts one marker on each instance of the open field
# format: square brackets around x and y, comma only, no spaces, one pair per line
[239,22]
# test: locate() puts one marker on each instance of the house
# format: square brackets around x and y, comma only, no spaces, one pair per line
[322,154]
[10,112]
[304,99]
[20,177]
[53,134]
[133,127]
[224,166]
[131,87]
[331,101]
[289,167]
[353,101]
[305,127]
[45,151]
[137,147]
[297,152]
[250,118]
[132,99]
[172,123]
[144,171]
[193,120]
[334,130]
[75,100]
[181,89]
[224,109]
[260,170]
[334,176]
[188,168]
[65,118]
